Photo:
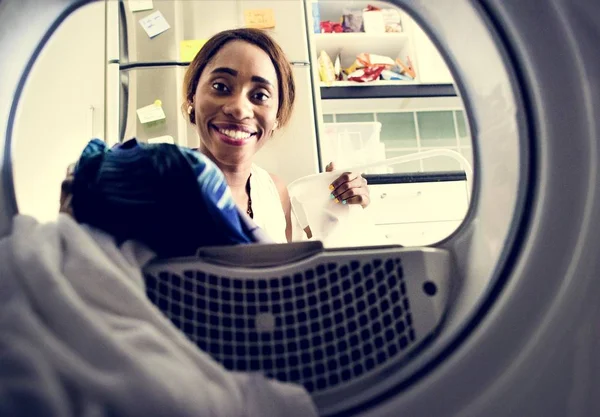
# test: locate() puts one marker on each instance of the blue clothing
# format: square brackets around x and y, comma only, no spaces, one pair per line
[171,198]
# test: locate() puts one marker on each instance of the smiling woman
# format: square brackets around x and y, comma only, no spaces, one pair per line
[238,91]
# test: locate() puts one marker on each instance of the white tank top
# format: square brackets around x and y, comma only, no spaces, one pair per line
[266,204]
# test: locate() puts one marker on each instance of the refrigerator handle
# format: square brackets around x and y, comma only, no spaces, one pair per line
[123,31]
[91,110]
[123,104]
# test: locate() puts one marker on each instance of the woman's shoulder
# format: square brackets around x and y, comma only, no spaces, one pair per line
[279,184]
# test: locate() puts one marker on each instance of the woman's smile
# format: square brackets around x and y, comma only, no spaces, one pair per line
[233,134]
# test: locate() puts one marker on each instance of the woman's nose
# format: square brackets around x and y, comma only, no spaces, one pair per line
[238,106]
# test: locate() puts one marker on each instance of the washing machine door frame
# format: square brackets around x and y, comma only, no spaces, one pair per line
[516,226]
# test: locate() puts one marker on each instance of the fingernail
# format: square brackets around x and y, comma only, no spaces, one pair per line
[336,200]
[343,201]
[331,196]
[331,187]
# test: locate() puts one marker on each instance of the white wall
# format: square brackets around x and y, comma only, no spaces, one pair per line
[54,119]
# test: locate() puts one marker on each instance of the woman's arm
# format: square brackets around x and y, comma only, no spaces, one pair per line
[284,196]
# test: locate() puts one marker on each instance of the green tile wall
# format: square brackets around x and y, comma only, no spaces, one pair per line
[356,117]
[434,129]
[398,130]
[461,123]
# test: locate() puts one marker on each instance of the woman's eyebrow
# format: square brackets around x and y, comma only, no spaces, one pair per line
[225,70]
[261,80]
[231,71]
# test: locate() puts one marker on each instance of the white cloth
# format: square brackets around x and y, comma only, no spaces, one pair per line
[266,204]
[78,337]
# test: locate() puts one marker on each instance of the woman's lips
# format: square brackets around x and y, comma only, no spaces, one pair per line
[232,136]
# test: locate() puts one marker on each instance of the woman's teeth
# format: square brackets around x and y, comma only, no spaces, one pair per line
[235,134]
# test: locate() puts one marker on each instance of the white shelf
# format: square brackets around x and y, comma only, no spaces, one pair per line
[348,45]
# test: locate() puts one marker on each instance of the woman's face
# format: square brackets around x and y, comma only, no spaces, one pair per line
[236,103]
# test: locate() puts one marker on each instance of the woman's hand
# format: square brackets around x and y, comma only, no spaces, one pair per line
[66,192]
[349,188]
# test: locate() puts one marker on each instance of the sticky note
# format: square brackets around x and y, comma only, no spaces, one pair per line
[140,5]
[151,113]
[154,24]
[189,48]
[162,139]
[259,18]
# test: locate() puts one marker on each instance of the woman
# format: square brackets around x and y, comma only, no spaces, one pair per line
[238,90]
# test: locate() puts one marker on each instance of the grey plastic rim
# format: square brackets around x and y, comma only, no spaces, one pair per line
[556,242]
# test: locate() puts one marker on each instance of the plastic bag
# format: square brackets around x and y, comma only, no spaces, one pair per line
[391,20]
[326,69]
[355,66]
[404,69]
[368,60]
[373,20]
[352,20]
[328,26]
[392,75]
[337,69]
[367,74]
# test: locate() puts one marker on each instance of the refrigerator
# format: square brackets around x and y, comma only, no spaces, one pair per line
[144,69]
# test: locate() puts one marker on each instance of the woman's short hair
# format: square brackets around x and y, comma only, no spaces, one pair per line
[256,37]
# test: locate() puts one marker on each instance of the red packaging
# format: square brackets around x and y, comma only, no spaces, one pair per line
[366,74]
[328,26]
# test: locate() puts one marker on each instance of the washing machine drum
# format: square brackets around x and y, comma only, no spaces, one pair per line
[498,319]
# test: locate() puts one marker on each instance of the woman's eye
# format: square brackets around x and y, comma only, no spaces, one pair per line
[220,87]
[261,96]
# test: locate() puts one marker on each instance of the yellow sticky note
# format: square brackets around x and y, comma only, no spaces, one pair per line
[151,113]
[189,48]
[259,18]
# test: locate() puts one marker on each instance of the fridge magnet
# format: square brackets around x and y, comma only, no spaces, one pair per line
[259,18]
[189,48]
[154,24]
[151,113]
[140,5]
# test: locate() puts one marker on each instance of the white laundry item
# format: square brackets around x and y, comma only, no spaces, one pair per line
[334,224]
[78,337]
[266,204]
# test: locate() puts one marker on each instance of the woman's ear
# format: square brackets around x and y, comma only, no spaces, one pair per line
[191,113]
[276,125]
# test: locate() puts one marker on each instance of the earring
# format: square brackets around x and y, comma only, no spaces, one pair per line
[189,109]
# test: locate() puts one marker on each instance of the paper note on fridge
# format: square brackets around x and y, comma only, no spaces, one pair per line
[154,24]
[189,48]
[151,113]
[259,18]
[162,139]
[140,5]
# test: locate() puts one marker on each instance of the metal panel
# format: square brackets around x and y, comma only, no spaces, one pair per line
[137,46]
[145,86]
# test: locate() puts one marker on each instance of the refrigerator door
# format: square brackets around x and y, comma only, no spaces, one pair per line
[292,152]
[134,43]
[200,19]
[142,87]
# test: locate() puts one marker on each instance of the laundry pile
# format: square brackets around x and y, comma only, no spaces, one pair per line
[78,337]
